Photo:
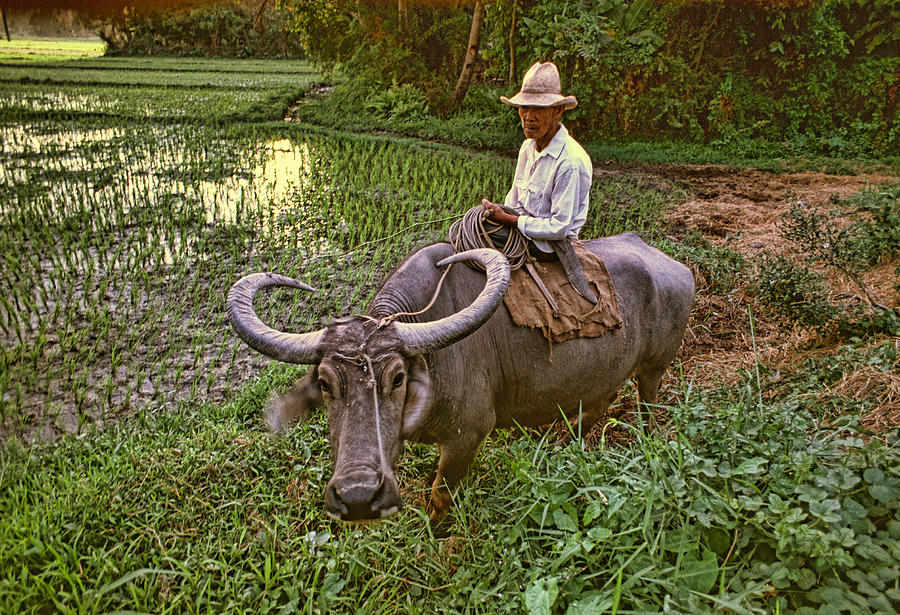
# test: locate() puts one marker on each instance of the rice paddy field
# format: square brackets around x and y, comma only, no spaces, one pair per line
[135,475]
[122,232]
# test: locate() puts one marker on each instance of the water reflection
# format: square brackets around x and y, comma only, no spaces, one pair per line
[281,170]
[115,170]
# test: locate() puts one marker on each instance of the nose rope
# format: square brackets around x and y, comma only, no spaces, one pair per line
[365,360]
[374,386]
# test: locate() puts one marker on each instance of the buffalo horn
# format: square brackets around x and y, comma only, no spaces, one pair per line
[286,347]
[421,338]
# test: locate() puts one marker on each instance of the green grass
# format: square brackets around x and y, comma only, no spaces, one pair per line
[157,77]
[749,506]
[38,101]
[126,212]
[179,64]
[28,50]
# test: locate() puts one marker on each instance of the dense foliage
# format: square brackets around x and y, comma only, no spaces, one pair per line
[822,74]
[233,28]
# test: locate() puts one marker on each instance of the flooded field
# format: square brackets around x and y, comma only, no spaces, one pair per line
[123,226]
[119,241]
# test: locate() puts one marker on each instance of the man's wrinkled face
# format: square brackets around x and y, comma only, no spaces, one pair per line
[538,122]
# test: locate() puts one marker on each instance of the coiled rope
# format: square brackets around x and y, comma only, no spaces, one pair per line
[473,230]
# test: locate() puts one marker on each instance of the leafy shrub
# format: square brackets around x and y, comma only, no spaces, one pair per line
[221,29]
[719,268]
[382,65]
[793,292]
[796,293]
[822,237]
[848,248]
[752,505]
[879,236]
[398,102]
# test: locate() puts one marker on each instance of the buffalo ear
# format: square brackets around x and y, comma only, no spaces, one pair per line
[294,406]
[419,394]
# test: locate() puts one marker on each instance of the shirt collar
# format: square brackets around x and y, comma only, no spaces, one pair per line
[555,147]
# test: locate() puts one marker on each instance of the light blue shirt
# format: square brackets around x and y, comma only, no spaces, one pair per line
[550,190]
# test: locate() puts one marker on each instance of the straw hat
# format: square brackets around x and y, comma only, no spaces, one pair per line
[541,88]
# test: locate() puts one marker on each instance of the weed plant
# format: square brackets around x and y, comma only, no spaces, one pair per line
[858,233]
[752,507]
[879,233]
[718,269]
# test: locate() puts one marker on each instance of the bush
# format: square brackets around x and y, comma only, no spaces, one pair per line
[794,293]
[879,236]
[398,102]
[224,29]
[720,269]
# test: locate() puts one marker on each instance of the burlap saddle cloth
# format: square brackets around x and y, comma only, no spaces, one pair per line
[576,317]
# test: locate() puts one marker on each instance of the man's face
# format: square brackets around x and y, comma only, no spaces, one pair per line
[537,122]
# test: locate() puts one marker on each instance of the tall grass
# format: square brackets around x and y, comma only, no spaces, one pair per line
[750,507]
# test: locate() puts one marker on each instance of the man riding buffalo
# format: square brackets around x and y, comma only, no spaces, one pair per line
[548,200]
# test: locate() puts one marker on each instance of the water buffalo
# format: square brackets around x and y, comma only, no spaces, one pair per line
[462,368]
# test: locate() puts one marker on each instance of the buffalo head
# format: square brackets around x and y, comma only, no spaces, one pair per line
[371,376]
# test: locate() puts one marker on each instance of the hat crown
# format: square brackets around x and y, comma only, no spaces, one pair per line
[541,88]
[542,78]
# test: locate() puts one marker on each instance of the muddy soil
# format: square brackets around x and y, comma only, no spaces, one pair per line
[740,209]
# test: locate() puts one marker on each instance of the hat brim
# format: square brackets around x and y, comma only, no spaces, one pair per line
[526,99]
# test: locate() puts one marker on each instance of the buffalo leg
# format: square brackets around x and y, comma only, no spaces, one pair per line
[590,417]
[455,458]
[648,385]
[648,389]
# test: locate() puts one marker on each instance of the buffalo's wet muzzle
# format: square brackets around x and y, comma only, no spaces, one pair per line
[361,494]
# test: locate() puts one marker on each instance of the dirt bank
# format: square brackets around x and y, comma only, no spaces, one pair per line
[741,209]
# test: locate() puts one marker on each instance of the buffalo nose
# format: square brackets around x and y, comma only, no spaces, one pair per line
[360,496]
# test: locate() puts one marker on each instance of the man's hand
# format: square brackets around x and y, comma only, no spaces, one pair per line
[498,215]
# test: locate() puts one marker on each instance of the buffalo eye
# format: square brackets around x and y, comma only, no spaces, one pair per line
[398,380]
[323,387]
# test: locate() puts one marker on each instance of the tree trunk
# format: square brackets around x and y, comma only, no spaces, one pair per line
[358,15]
[5,27]
[401,16]
[512,46]
[465,76]
[257,21]
[115,32]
